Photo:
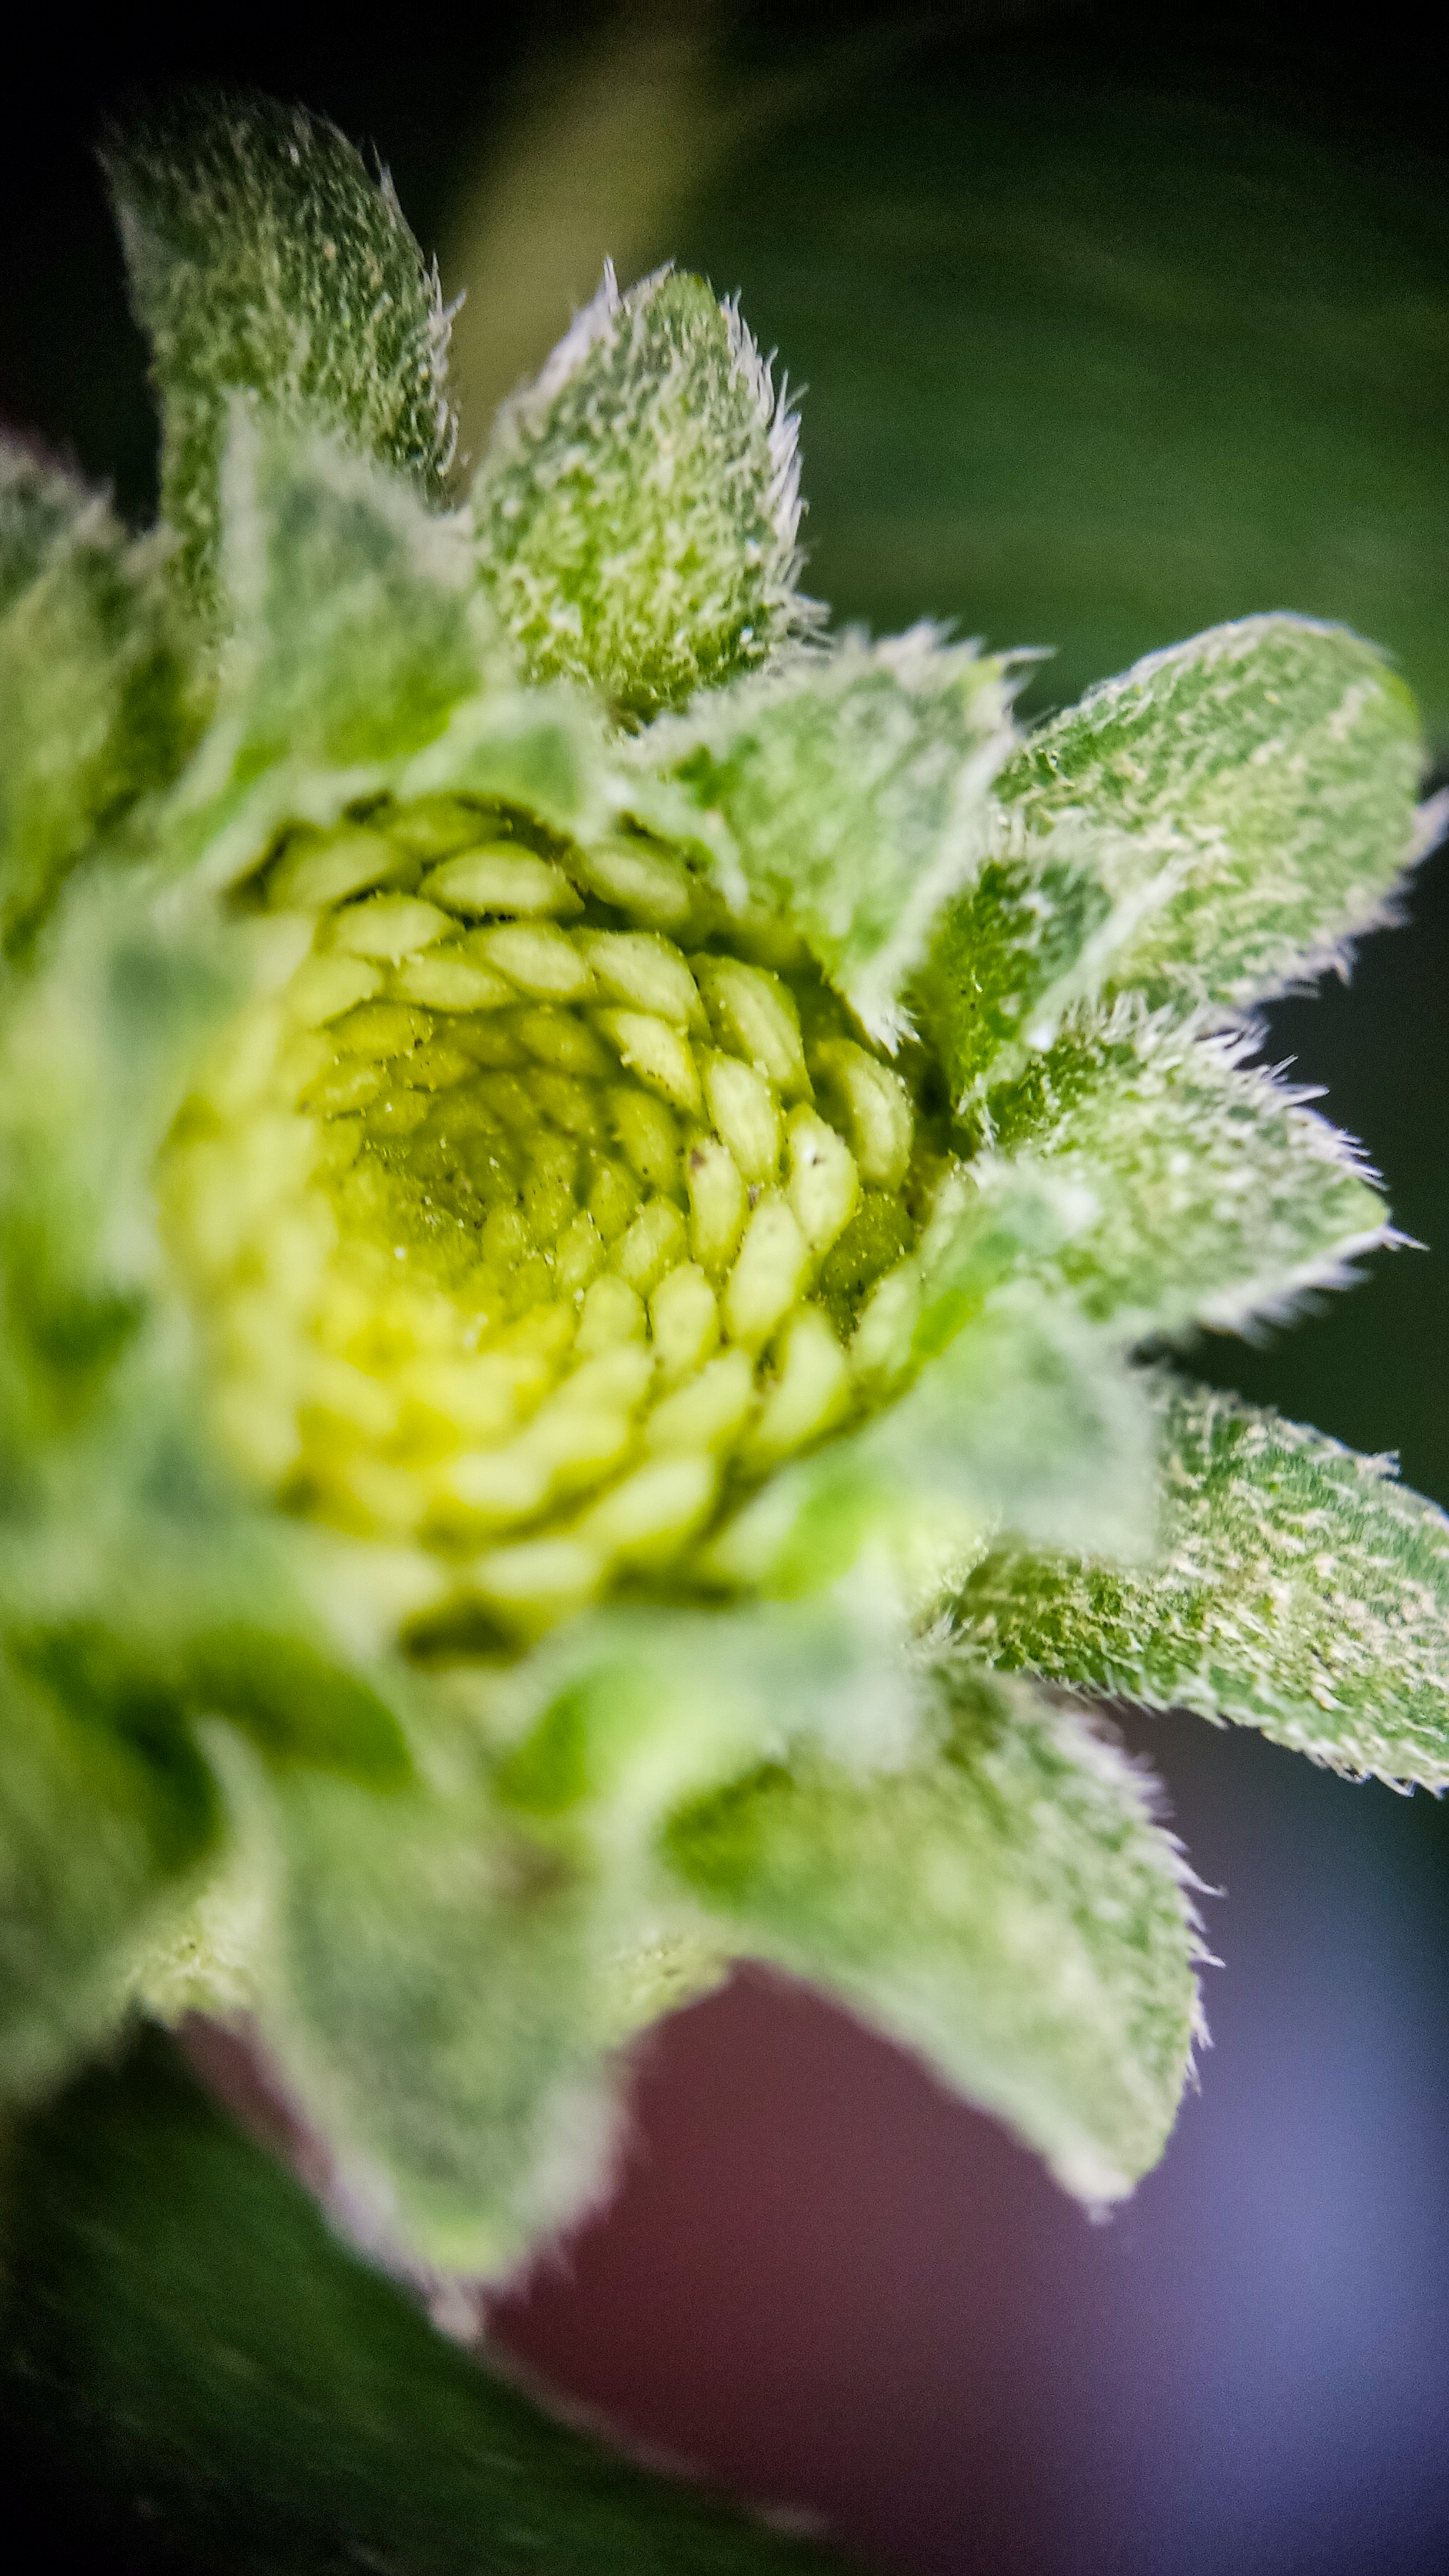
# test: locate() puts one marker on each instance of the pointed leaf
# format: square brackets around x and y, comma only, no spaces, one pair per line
[265,261]
[631,1711]
[355,626]
[637,509]
[1300,1590]
[1249,794]
[107,1816]
[363,663]
[434,1987]
[97,698]
[39,503]
[1193,1187]
[1008,1909]
[1027,1420]
[849,797]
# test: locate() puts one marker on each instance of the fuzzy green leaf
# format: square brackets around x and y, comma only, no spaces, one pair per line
[1212,826]
[638,507]
[265,261]
[851,796]
[97,700]
[107,1815]
[183,2328]
[435,1987]
[356,630]
[1248,798]
[633,1711]
[1300,1590]
[1008,1909]
[363,663]
[1191,1187]
[449,1966]
[1026,1420]
[39,504]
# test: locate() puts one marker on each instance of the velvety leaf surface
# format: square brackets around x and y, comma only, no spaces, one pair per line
[1251,796]
[97,698]
[183,2328]
[1192,1187]
[1300,1590]
[363,661]
[1007,1908]
[1211,826]
[107,1815]
[638,505]
[1028,1419]
[96,1039]
[850,796]
[266,262]
[39,502]
[352,600]
[434,1988]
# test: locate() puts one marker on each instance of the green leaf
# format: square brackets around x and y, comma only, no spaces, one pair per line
[1007,1908]
[1193,1188]
[39,504]
[1247,798]
[1300,1590]
[98,1040]
[363,663]
[356,629]
[433,1984]
[1216,824]
[265,262]
[849,796]
[1028,1420]
[107,1817]
[98,700]
[1027,941]
[633,1710]
[183,2327]
[450,1966]
[638,506]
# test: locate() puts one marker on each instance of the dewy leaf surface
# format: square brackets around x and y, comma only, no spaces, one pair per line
[1193,1187]
[1300,1590]
[850,795]
[1248,796]
[266,262]
[637,508]
[1007,1908]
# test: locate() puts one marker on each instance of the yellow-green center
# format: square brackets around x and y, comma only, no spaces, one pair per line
[534,1219]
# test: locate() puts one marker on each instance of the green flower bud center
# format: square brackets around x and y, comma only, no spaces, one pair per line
[534,1217]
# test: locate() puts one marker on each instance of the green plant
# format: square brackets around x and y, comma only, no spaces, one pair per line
[596,1186]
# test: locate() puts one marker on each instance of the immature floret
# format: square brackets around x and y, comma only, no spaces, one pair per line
[532,1221]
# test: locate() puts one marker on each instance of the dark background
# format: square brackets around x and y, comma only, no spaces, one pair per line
[1115,321]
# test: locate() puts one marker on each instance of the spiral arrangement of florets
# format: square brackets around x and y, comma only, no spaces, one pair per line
[530,1218]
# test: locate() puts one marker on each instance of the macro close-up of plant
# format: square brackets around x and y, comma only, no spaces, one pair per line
[605,1186]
